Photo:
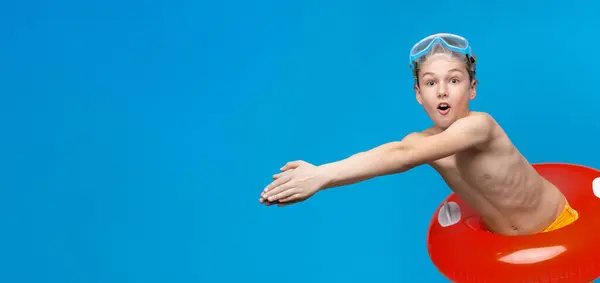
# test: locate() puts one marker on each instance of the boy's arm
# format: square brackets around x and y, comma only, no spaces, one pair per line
[397,157]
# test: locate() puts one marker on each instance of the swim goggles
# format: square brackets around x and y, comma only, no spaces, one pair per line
[451,41]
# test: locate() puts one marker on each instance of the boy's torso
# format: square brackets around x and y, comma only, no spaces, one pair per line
[501,185]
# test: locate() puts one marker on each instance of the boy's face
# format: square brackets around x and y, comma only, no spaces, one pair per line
[445,89]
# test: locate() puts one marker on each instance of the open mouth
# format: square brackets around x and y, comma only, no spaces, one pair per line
[443,108]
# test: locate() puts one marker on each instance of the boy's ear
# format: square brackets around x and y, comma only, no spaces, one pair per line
[473,89]
[418,94]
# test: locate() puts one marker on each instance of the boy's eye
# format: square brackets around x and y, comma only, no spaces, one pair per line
[454,81]
[429,83]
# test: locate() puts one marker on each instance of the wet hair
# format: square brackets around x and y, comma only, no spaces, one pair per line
[439,48]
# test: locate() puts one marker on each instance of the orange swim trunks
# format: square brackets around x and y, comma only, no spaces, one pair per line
[568,216]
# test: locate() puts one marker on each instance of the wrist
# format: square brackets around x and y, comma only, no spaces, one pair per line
[325,175]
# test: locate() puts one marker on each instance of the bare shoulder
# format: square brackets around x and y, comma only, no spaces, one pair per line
[478,120]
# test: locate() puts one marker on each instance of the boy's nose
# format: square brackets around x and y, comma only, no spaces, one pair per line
[442,90]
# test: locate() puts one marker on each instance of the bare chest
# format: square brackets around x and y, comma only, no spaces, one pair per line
[471,168]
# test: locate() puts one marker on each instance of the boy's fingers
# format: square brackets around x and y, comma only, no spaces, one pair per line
[283,195]
[270,194]
[290,198]
[277,182]
[265,201]
[291,165]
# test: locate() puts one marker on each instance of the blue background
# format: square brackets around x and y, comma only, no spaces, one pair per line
[138,135]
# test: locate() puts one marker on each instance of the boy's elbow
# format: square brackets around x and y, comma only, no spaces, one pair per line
[399,156]
[403,158]
[390,158]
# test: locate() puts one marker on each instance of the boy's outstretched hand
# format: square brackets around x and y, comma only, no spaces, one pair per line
[297,181]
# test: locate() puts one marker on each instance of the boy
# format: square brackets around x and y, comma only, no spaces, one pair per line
[468,149]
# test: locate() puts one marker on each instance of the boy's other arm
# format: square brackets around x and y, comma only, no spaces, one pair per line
[412,151]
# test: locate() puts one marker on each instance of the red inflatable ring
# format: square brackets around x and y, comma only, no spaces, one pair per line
[464,252]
